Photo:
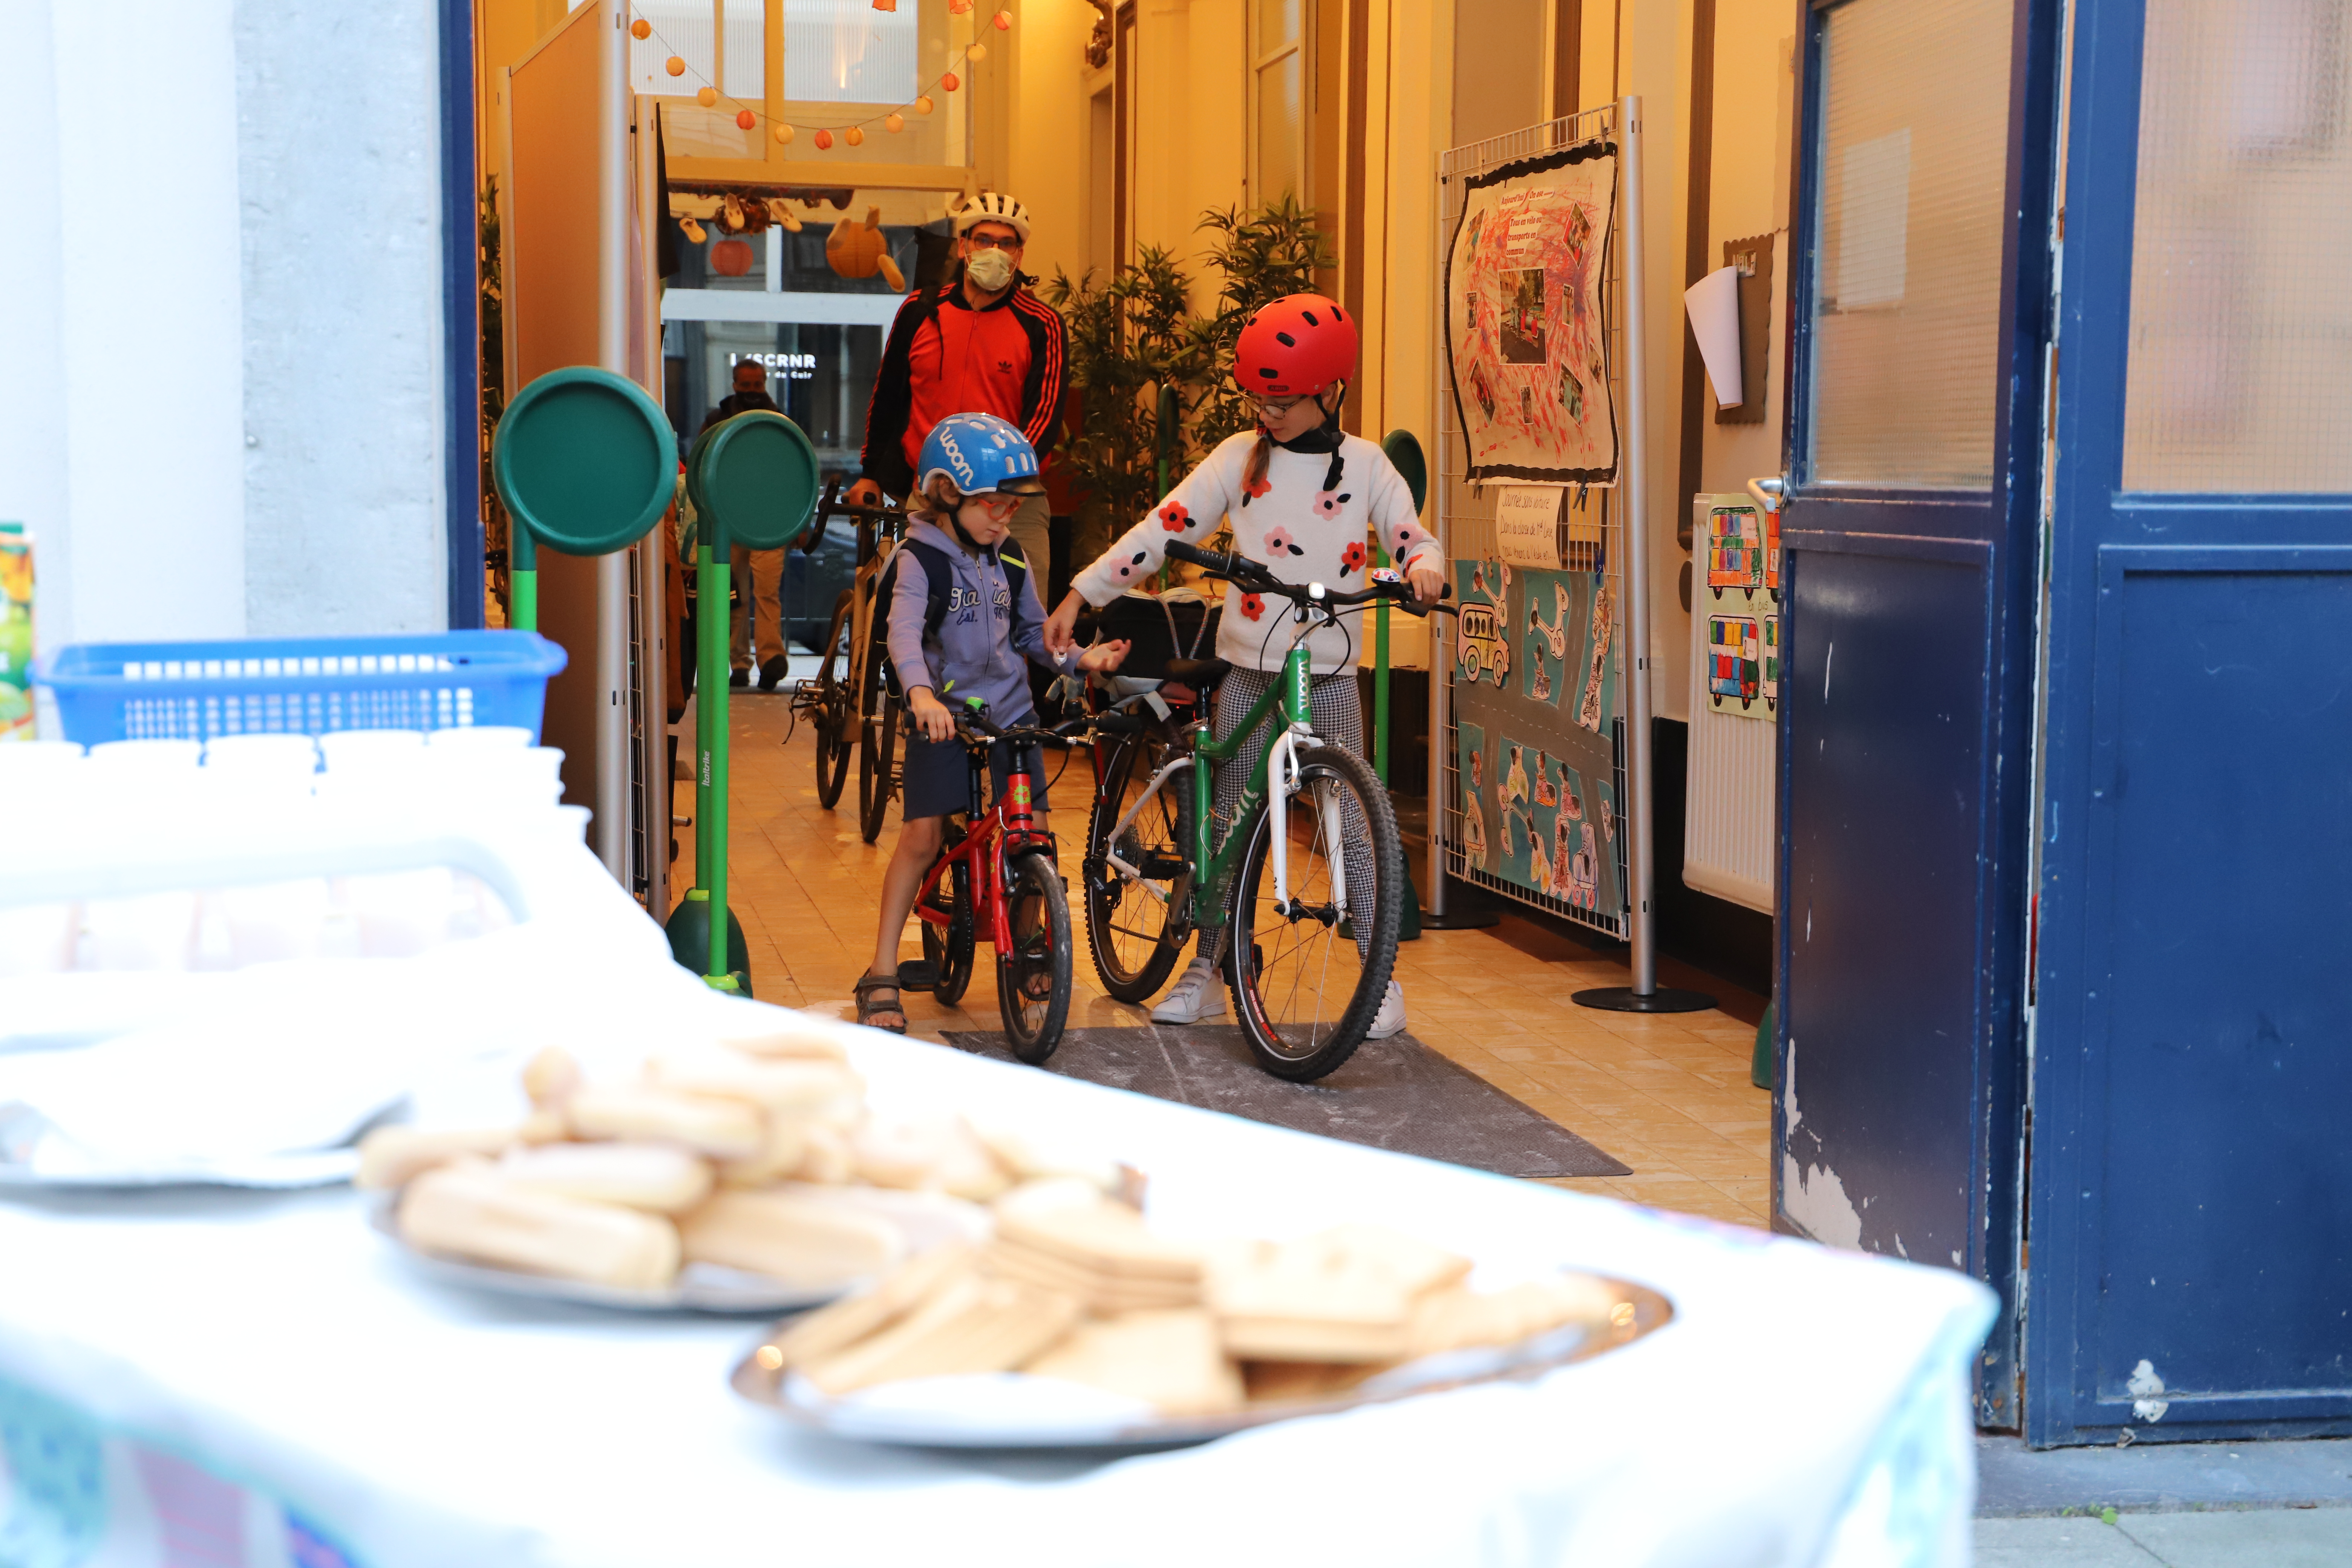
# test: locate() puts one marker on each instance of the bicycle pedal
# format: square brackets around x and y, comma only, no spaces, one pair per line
[918,974]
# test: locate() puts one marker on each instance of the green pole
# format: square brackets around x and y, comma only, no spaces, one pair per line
[710,764]
[522,576]
[1380,679]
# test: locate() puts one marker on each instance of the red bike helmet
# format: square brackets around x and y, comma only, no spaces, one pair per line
[1295,347]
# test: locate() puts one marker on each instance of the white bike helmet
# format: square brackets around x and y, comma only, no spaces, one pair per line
[992,207]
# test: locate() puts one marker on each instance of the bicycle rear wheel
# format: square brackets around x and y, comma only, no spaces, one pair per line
[1038,910]
[830,715]
[1137,924]
[1305,991]
[878,745]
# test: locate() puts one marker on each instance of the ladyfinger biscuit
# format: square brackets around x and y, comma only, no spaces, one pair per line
[790,1236]
[723,1129]
[390,1156]
[467,1210]
[813,1090]
[655,1177]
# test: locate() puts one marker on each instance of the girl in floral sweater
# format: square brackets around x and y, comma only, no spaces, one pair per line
[1306,498]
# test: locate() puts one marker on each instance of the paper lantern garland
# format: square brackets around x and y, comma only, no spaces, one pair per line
[893,120]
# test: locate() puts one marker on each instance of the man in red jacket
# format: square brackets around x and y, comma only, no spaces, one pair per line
[979,344]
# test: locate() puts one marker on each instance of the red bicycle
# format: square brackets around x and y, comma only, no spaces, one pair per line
[996,878]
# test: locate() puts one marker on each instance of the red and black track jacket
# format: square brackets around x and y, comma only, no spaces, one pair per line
[944,357]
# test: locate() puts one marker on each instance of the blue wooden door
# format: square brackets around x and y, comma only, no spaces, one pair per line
[2191,1203]
[1908,554]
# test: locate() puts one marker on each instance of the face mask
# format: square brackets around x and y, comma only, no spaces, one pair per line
[990,269]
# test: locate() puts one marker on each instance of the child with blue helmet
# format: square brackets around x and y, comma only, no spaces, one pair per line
[961,609]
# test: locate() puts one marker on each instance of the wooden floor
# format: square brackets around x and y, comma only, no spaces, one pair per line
[1668,1095]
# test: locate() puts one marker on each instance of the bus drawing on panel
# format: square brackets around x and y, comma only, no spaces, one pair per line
[1735,659]
[1485,650]
[1735,550]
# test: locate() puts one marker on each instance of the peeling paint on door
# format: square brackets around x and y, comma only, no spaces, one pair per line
[2144,1386]
[1813,1195]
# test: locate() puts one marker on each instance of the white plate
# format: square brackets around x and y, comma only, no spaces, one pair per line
[1009,1410]
[928,1220]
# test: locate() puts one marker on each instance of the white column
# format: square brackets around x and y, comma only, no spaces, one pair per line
[128,410]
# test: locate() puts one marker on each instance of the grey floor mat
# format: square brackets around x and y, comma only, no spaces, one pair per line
[1395,1094]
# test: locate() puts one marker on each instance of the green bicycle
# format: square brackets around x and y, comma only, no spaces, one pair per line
[1306,884]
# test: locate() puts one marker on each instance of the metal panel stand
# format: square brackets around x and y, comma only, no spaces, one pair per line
[1644,996]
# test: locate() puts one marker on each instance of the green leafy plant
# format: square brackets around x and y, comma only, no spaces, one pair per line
[1151,376]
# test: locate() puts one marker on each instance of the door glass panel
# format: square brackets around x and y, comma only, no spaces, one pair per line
[1906,301]
[2239,373]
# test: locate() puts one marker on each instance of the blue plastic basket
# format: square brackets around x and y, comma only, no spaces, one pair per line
[302,686]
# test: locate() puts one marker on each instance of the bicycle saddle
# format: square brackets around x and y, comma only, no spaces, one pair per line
[1200,674]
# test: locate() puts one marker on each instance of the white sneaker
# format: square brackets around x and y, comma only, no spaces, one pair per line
[1200,995]
[1390,1019]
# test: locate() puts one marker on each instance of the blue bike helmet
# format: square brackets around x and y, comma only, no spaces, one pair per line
[978,453]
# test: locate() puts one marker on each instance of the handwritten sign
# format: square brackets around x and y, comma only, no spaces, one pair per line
[1527,524]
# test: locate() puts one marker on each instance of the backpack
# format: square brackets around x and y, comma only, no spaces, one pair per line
[939,573]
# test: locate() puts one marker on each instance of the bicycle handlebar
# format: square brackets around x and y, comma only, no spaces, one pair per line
[1256,576]
[975,727]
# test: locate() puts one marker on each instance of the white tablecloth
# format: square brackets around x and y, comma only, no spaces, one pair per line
[204,1376]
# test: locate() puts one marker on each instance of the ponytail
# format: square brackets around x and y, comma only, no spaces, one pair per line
[1253,471]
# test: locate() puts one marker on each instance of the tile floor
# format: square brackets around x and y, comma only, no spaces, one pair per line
[1668,1095]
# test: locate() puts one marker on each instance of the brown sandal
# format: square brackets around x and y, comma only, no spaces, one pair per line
[868,983]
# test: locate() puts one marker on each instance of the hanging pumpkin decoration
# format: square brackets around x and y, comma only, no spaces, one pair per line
[885,4]
[923,104]
[784,134]
[950,82]
[977,53]
[731,258]
[824,140]
[705,96]
[855,136]
[674,65]
[1003,20]
[641,28]
[746,119]
[893,122]
[860,250]
[959,8]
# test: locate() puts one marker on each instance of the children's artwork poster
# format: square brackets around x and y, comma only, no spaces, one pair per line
[1523,331]
[1734,548]
[1551,626]
[1523,854]
[1596,668]
[1739,620]
[1743,654]
[1477,792]
[1482,639]
[1534,815]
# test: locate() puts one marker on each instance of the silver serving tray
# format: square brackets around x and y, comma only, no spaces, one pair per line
[1641,1312]
[315,1168]
[700,1288]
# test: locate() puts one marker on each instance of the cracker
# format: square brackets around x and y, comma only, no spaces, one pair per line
[846,1321]
[1169,1358]
[1108,1237]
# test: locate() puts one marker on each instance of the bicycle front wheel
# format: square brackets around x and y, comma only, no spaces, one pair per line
[1138,917]
[1033,975]
[1308,973]
[830,718]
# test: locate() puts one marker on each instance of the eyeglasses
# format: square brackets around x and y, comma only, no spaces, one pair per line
[1273,407]
[993,241]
